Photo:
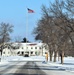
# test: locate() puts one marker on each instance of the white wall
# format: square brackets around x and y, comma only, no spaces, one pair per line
[26,47]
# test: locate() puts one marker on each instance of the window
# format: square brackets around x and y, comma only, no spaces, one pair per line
[36,53]
[40,48]
[22,53]
[18,52]
[31,52]
[8,47]
[45,47]
[35,47]
[17,47]
[8,52]
[22,47]
[45,52]
[31,47]
[27,47]
[3,52]
[14,48]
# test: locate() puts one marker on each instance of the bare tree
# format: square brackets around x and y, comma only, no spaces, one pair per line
[44,30]
[56,28]
[69,6]
[64,22]
[5,30]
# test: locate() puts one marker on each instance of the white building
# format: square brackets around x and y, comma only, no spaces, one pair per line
[25,49]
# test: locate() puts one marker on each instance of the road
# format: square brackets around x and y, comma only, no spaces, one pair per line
[31,68]
[22,68]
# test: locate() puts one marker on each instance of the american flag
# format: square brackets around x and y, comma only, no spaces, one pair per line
[30,10]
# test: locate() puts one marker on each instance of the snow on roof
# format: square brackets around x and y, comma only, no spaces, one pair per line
[25,44]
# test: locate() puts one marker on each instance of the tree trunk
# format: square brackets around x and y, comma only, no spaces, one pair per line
[62,57]
[51,55]
[55,55]
[58,56]
[1,50]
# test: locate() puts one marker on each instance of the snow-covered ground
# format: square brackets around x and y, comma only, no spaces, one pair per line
[7,60]
[68,63]
[67,66]
[21,58]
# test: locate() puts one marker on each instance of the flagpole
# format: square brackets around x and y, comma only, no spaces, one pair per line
[27,29]
[29,11]
[26,26]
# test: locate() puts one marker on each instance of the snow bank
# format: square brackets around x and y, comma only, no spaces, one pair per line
[3,63]
[21,58]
